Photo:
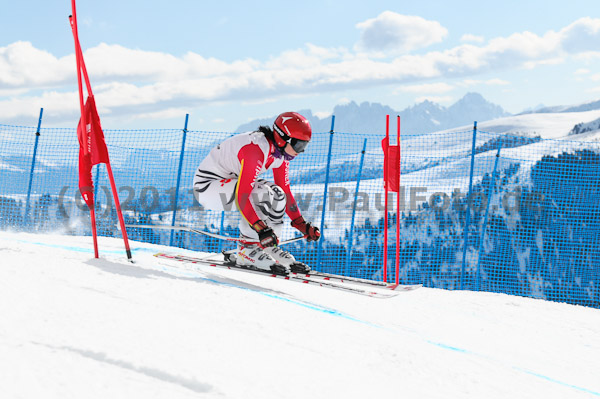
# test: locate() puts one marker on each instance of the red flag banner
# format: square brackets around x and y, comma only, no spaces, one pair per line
[92,149]
[391,164]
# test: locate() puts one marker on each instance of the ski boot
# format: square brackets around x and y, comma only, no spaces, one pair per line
[287,259]
[254,257]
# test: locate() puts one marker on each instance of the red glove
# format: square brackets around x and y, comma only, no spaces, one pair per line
[311,232]
[266,235]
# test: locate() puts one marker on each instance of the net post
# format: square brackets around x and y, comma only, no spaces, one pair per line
[181,155]
[468,220]
[222,227]
[325,191]
[31,173]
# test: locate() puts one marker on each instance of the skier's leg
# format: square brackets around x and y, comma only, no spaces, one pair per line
[213,192]
[269,203]
[219,195]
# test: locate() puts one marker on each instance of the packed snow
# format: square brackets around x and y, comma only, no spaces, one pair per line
[77,327]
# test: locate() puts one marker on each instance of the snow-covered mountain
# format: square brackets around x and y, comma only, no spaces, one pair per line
[78,327]
[545,125]
[589,106]
[424,117]
[581,128]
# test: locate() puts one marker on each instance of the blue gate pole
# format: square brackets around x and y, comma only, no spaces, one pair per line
[35,147]
[468,221]
[221,230]
[351,237]
[490,192]
[325,191]
[185,129]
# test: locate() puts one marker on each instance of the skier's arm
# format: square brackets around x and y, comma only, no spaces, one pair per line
[252,158]
[281,177]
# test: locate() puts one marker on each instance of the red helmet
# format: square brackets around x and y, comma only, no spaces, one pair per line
[292,128]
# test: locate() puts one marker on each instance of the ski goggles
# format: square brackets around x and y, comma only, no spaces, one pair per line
[298,145]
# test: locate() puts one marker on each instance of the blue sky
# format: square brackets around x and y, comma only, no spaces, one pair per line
[226,63]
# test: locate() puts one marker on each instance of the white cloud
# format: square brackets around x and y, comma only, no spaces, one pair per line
[396,33]
[22,65]
[129,81]
[12,92]
[472,38]
[587,56]
[581,36]
[582,71]
[489,82]
[550,61]
[435,99]
[497,82]
[168,113]
[425,88]
[259,101]
[55,104]
[322,114]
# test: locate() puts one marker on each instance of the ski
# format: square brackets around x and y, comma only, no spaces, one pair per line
[304,279]
[344,279]
[361,281]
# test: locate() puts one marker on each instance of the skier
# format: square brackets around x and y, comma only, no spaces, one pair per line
[230,174]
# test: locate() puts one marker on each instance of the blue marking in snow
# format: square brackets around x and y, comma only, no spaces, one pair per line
[564,384]
[195,275]
[67,247]
[452,348]
[307,305]
[460,350]
[332,312]
[81,249]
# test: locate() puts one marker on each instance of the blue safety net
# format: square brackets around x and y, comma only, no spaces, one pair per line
[498,212]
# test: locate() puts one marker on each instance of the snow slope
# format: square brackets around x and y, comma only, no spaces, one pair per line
[547,126]
[76,327]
